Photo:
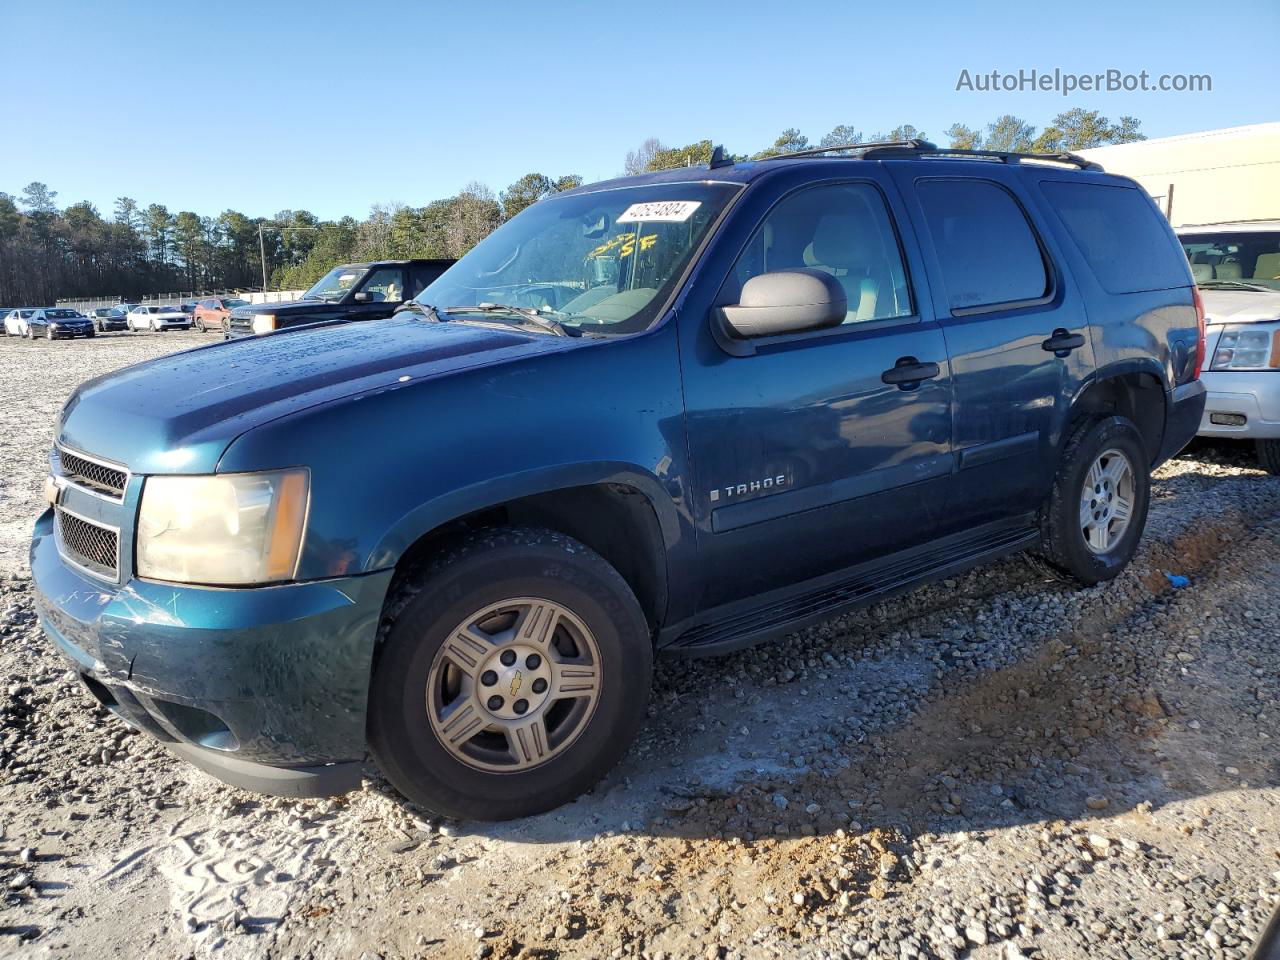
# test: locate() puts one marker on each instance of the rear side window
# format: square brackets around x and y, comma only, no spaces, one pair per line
[987,250]
[1120,235]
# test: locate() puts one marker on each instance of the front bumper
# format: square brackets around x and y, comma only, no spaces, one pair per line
[265,688]
[1254,395]
[1186,408]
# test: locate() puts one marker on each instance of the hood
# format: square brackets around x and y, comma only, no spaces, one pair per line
[178,414]
[286,307]
[1240,306]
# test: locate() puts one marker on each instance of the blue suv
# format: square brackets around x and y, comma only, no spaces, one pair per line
[684,411]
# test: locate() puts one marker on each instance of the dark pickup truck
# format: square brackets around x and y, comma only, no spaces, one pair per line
[677,412]
[353,291]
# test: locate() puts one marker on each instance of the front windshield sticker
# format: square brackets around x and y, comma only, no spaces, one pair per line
[660,211]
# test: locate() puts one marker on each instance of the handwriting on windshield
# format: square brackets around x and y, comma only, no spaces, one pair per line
[625,244]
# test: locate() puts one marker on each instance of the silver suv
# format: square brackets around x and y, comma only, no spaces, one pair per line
[1237,267]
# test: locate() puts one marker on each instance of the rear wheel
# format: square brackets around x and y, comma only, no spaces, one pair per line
[1269,455]
[513,674]
[1091,524]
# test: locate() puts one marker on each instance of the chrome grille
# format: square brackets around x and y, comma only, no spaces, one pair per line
[94,547]
[96,476]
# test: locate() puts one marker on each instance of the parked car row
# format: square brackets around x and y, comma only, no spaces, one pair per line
[52,323]
[55,323]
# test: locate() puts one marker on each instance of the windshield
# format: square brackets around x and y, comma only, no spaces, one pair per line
[232,304]
[603,262]
[61,314]
[335,284]
[1234,258]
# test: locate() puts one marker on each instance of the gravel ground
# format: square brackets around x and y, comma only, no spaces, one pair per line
[996,766]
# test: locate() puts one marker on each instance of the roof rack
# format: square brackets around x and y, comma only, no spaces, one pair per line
[916,147]
[915,143]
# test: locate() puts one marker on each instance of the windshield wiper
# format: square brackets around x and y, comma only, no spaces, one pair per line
[422,309]
[528,314]
[1236,285]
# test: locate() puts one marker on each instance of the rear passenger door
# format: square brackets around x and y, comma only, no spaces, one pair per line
[1016,331]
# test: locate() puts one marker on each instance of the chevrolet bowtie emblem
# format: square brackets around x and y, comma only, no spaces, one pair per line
[515,682]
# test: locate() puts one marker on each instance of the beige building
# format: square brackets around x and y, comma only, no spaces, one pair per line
[1208,177]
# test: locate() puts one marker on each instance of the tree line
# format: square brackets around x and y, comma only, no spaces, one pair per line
[49,253]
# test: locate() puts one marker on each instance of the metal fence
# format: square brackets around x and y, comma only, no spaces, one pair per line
[175,299]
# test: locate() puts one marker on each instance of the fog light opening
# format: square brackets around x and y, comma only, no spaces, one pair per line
[1228,419]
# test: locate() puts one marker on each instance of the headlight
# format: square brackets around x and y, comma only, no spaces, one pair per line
[1245,348]
[264,322]
[236,528]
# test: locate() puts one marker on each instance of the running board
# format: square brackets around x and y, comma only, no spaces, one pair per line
[788,610]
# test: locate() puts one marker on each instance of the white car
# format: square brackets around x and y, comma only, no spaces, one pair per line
[157,319]
[15,321]
[1237,268]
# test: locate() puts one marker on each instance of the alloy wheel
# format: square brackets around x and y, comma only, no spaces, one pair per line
[515,684]
[1106,501]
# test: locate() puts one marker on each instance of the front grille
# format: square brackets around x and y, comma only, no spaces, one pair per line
[89,473]
[93,547]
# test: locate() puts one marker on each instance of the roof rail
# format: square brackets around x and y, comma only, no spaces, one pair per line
[915,143]
[1074,159]
[914,147]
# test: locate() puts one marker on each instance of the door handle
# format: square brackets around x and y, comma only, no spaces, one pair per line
[908,372]
[1063,342]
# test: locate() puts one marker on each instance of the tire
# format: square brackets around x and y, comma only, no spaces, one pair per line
[200,326]
[91,333]
[495,572]
[1269,455]
[26,333]
[1062,518]
[49,335]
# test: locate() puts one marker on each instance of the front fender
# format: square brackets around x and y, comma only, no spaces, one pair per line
[492,493]
[391,464]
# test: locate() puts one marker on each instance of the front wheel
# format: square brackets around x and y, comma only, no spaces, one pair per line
[1269,455]
[511,676]
[1093,519]
[48,333]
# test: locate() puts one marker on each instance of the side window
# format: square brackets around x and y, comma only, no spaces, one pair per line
[1120,234]
[844,229]
[385,284]
[420,278]
[985,246]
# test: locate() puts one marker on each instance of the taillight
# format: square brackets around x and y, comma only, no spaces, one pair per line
[1200,344]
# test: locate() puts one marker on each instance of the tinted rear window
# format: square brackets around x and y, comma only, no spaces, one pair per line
[1120,235]
[986,248]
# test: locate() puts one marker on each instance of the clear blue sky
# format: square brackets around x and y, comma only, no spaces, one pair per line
[332,107]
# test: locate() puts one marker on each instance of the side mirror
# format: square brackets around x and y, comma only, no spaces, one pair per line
[787,301]
[362,297]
